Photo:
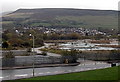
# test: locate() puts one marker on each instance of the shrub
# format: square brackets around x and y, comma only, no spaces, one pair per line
[71,55]
[44,53]
[29,49]
[9,55]
[5,45]
[101,41]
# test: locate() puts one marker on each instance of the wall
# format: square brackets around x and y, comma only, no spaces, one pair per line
[100,55]
[15,52]
[28,60]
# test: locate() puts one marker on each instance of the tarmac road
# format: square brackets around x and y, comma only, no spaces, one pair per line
[26,73]
[37,50]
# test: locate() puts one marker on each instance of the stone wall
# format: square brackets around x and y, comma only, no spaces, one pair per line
[28,60]
[100,55]
[15,52]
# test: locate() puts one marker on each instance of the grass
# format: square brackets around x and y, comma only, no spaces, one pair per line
[85,21]
[37,24]
[18,15]
[6,22]
[99,74]
[90,21]
[58,41]
[101,41]
[113,46]
[52,50]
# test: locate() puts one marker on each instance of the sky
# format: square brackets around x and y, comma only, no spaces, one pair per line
[12,5]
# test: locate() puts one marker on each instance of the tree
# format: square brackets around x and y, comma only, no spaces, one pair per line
[99,36]
[70,55]
[53,36]
[73,36]
[4,37]
[16,42]
[5,45]
[44,53]
[26,44]
[39,42]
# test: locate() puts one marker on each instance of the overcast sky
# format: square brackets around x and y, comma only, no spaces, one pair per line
[12,5]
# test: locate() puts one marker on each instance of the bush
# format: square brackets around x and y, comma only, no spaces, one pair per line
[101,41]
[44,53]
[5,45]
[29,50]
[9,55]
[70,55]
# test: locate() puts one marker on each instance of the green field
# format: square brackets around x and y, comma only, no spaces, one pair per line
[90,21]
[100,74]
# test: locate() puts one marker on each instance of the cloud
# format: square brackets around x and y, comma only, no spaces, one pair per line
[8,5]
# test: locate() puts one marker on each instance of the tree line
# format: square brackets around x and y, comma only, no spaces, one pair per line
[21,39]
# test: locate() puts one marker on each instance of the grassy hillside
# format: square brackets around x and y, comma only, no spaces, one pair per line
[63,18]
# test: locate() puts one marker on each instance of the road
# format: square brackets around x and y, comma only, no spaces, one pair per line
[25,73]
[37,50]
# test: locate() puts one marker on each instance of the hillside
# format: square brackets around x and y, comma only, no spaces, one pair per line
[62,17]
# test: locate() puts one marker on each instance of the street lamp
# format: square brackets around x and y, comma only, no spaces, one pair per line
[33,54]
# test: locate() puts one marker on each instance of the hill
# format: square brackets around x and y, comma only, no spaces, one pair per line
[5,13]
[62,17]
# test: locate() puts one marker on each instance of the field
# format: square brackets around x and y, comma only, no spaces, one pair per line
[104,22]
[100,41]
[90,21]
[113,46]
[100,74]
[58,41]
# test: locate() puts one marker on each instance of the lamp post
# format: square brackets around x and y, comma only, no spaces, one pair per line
[33,54]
